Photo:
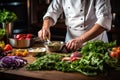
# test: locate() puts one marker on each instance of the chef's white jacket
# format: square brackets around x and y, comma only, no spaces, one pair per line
[81,15]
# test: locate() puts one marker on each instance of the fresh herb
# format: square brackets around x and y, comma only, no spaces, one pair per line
[46,62]
[7,16]
[97,46]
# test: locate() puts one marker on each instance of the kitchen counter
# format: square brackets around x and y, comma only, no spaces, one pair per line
[23,74]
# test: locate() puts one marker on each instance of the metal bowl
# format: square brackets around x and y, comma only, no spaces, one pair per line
[37,51]
[54,46]
[21,43]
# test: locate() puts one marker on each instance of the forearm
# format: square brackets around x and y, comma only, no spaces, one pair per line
[47,22]
[92,33]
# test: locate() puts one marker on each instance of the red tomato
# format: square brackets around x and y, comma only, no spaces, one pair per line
[118,51]
[28,35]
[114,54]
[118,47]
[18,36]
[21,38]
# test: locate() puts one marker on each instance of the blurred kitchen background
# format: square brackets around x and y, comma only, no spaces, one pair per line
[30,13]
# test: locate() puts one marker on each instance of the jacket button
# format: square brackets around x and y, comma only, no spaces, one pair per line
[81,26]
[81,18]
[68,7]
[81,10]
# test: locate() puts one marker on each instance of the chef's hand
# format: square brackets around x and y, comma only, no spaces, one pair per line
[44,33]
[74,44]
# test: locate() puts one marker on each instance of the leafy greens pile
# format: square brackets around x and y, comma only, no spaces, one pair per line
[95,59]
[46,62]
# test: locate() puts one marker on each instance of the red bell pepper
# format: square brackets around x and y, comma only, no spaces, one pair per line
[8,47]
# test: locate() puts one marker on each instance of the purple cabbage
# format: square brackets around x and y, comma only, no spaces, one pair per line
[12,62]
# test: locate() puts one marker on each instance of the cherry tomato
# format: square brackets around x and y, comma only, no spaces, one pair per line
[21,38]
[118,51]
[118,47]
[18,36]
[28,35]
[114,54]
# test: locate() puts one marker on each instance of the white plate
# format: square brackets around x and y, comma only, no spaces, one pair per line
[37,49]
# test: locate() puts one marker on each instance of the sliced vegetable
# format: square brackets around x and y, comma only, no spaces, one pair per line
[21,52]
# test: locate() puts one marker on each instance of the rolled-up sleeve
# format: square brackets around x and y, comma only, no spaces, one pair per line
[54,10]
[103,12]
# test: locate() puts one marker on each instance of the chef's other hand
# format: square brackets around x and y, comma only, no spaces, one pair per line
[43,34]
[74,44]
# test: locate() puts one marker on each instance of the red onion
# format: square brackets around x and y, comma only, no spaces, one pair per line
[75,54]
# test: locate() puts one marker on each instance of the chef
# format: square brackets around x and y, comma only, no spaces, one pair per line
[85,20]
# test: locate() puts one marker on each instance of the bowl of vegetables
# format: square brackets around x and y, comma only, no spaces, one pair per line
[114,52]
[54,46]
[22,41]
[37,51]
